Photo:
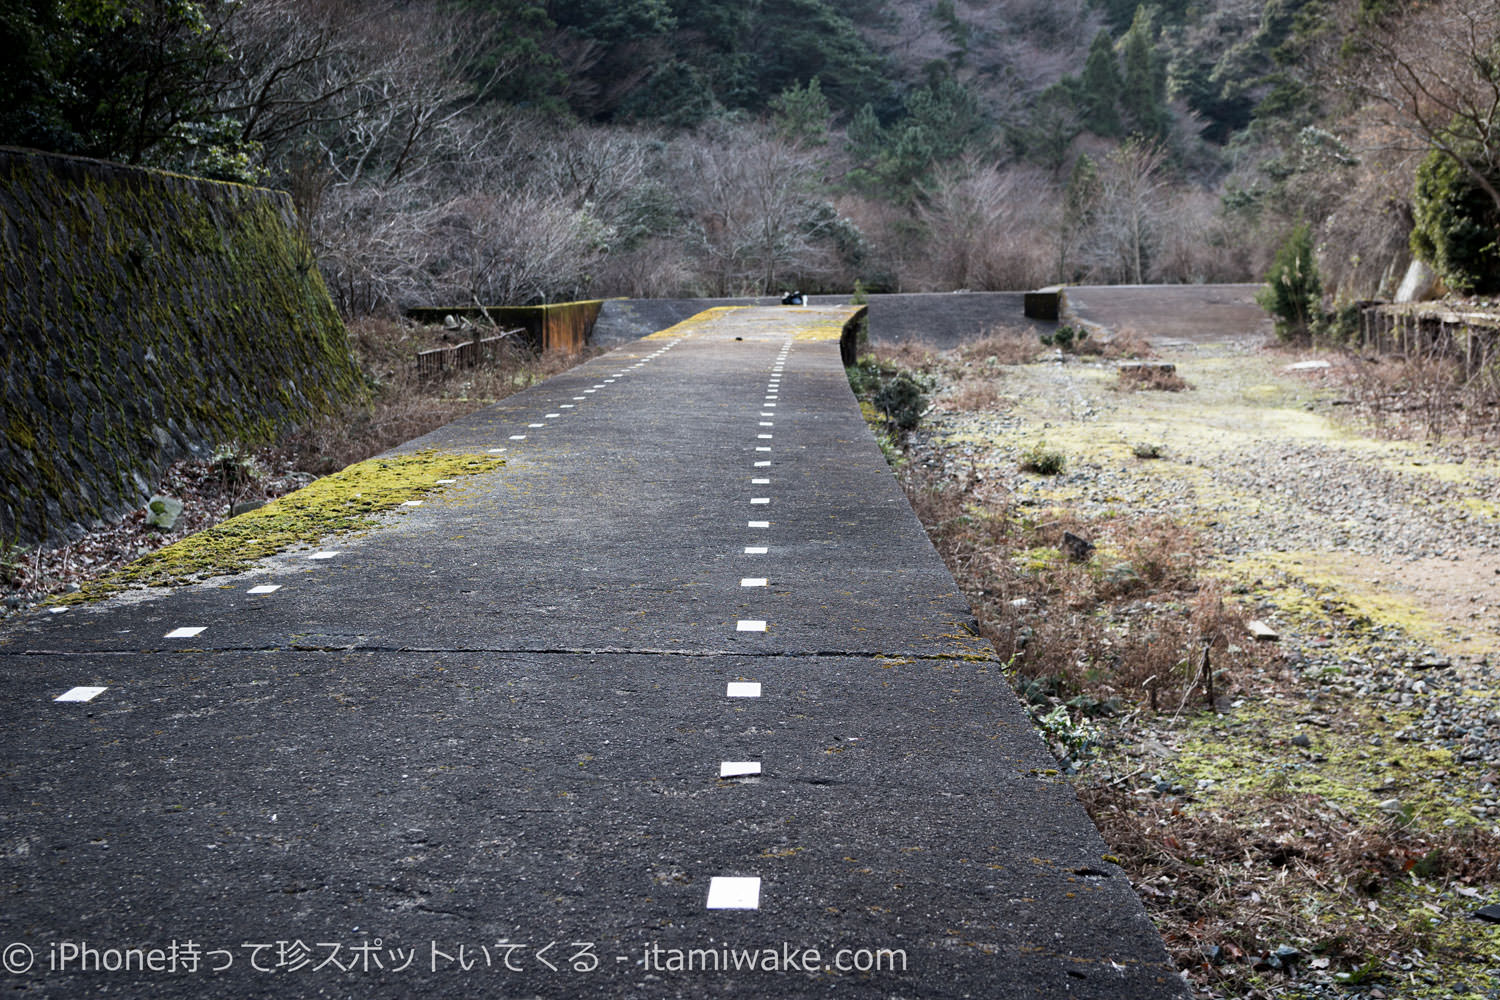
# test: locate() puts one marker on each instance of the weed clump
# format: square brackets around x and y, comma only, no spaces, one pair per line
[1042,460]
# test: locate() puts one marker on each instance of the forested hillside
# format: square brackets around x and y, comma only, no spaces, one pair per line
[515,151]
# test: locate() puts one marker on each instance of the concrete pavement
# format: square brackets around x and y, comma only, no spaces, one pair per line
[479,751]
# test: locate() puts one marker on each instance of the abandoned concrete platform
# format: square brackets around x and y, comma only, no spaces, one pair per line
[677,702]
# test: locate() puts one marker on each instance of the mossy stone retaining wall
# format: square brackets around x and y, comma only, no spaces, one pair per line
[146,317]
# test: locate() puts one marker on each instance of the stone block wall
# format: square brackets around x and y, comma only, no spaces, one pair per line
[145,317]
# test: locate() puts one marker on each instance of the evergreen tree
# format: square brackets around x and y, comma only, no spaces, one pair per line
[1294,290]
[1099,90]
[801,114]
[1143,94]
[1456,224]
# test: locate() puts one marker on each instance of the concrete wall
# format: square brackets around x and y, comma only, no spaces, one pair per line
[146,316]
[560,326]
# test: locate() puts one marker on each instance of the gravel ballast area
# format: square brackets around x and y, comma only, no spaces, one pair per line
[1376,560]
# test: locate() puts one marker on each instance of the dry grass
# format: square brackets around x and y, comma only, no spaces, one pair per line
[914,355]
[1226,888]
[1052,617]
[1007,345]
[404,406]
[975,394]
[1150,378]
[1425,397]
[1124,344]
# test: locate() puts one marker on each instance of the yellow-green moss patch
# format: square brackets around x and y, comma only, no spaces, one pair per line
[338,504]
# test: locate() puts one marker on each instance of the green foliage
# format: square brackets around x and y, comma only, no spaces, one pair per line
[893,392]
[1042,460]
[801,114]
[860,296]
[1294,290]
[1099,89]
[1456,223]
[944,121]
[128,80]
[1143,97]
[1065,337]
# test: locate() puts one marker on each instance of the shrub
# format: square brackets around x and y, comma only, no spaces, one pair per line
[1294,291]
[1456,226]
[1039,459]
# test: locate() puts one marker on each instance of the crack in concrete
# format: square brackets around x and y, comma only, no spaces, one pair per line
[883,654]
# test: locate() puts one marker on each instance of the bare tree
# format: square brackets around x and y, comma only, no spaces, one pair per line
[753,205]
[368,82]
[1432,74]
[987,228]
[1124,228]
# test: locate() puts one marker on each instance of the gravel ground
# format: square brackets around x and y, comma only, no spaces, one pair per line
[1297,500]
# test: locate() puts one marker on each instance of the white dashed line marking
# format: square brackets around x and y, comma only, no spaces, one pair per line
[536,425]
[56,611]
[765,437]
[733,893]
[749,625]
[265,588]
[325,554]
[762,447]
[742,689]
[518,437]
[755,550]
[768,423]
[760,500]
[753,581]
[497,451]
[768,414]
[445,482]
[578,399]
[761,465]
[757,524]
[80,694]
[187,632]
[411,503]
[553,416]
[567,406]
[738,768]
[760,482]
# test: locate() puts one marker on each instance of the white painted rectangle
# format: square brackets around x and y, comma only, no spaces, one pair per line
[749,625]
[265,588]
[738,768]
[733,893]
[753,581]
[743,689]
[411,503]
[518,437]
[81,694]
[760,500]
[757,524]
[324,554]
[760,482]
[186,632]
[755,550]
[761,465]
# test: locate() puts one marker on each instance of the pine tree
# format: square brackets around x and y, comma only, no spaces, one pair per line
[1144,92]
[1100,87]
